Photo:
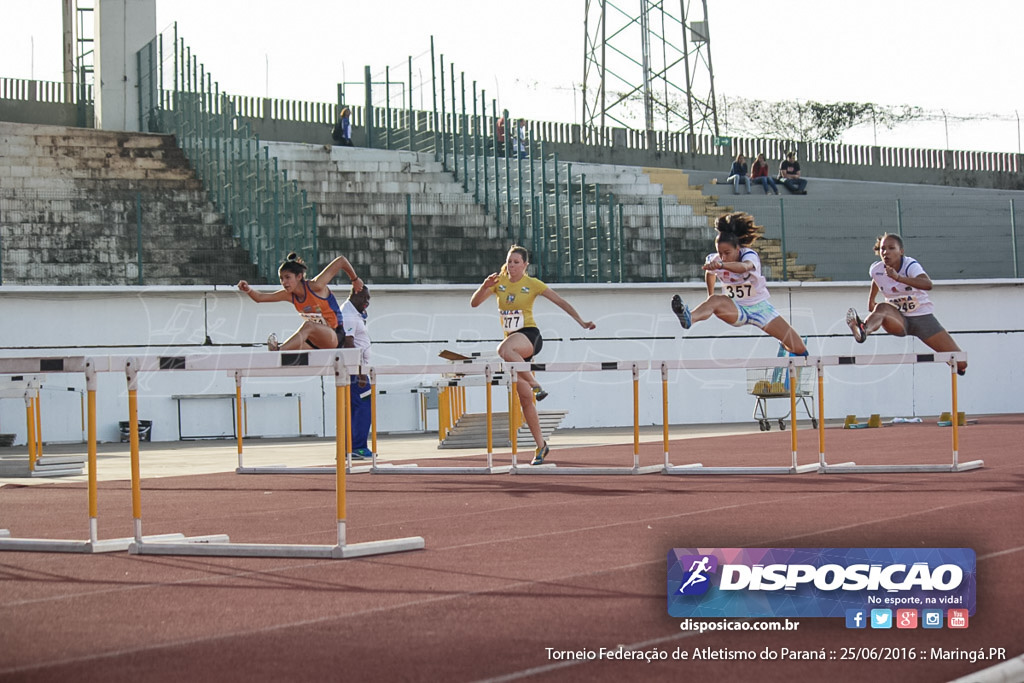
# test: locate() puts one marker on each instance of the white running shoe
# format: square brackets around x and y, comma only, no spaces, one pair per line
[856,326]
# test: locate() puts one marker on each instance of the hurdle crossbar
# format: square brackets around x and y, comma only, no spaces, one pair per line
[790,363]
[634,367]
[950,358]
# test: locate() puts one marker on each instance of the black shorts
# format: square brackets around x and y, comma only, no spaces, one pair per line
[922,326]
[533,334]
[339,331]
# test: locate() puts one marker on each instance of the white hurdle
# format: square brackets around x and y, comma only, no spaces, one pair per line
[295,371]
[634,367]
[307,362]
[314,362]
[791,363]
[465,374]
[950,359]
[93,544]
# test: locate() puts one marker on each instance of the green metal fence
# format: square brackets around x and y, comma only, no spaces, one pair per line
[953,239]
[268,213]
[576,230]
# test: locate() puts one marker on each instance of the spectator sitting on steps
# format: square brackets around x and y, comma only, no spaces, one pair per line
[789,174]
[759,175]
[738,174]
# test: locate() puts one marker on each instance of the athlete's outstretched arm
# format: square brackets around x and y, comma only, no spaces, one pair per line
[261,297]
[872,296]
[336,266]
[567,307]
[921,281]
[483,292]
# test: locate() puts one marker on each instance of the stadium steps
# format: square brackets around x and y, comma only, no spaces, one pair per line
[471,430]
[70,199]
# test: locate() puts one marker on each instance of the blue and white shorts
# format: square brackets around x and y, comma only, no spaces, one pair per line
[759,314]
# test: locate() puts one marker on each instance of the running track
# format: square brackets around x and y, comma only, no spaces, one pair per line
[513,565]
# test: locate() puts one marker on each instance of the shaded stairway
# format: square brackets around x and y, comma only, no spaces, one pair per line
[75,203]
[470,431]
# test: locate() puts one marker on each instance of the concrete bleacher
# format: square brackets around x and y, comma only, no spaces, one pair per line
[363,213]
[362,207]
[71,197]
[834,226]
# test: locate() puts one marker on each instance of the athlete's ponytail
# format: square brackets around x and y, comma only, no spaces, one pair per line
[293,264]
[737,229]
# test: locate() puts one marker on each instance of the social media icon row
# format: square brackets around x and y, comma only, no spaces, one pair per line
[905,618]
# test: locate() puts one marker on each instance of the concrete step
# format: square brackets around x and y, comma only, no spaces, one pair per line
[17,466]
[471,430]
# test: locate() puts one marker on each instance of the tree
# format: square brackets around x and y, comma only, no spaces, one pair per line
[809,121]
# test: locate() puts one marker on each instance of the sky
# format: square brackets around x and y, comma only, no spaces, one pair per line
[958,60]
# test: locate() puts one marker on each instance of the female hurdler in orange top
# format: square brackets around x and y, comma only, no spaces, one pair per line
[313,300]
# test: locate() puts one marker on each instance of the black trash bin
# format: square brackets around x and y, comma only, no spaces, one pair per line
[145,430]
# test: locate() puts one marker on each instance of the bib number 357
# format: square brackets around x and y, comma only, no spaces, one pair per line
[738,291]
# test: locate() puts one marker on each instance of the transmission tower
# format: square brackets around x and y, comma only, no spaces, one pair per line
[648,67]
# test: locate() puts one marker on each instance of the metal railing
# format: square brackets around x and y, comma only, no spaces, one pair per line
[268,213]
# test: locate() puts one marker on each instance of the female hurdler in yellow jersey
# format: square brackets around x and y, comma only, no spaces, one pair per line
[516,292]
[313,300]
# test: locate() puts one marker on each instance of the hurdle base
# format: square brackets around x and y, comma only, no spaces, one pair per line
[47,545]
[885,469]
[699,469]
[553,468]
[669,466]
[4,533]
[416,469]
[285,469]
[328,552]
[822,465]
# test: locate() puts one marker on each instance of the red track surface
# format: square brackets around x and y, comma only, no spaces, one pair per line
[513,565]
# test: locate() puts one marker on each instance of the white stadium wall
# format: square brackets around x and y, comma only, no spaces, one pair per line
[411,324]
